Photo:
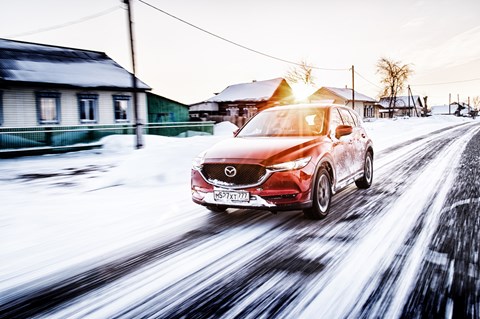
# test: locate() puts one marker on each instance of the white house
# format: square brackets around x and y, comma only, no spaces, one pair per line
[44,85]
[365,106]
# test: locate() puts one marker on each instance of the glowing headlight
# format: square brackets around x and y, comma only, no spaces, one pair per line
[197,162]
[287,166]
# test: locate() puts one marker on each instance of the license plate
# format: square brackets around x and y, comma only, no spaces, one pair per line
[231,196]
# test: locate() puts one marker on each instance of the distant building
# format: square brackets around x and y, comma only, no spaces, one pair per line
[365,106]
[45,85]
[243,100]
[403,106]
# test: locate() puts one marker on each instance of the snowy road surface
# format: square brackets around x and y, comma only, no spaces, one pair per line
[407,247]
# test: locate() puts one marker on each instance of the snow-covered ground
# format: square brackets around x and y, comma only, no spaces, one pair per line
[75,210]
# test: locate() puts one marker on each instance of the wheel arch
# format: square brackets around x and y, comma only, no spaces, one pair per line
[327,163]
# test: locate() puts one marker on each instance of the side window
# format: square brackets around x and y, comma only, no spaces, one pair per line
[48,107]
[347,117]
[88,107]
[335,120]
[357,118]
[121,108]
[354,117]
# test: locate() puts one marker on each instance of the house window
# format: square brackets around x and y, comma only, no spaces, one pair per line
[48,107]
[121,105]
[88,107]
[368,111]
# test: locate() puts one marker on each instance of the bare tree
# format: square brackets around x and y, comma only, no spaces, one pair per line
[394,75]
[476,102]
[301,73]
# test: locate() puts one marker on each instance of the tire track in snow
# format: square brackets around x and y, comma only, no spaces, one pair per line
[59,293]
[354,281]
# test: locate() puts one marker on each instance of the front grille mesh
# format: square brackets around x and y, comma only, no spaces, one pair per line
[247,174]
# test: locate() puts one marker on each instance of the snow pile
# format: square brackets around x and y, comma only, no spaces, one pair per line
[164,160]
[225,129]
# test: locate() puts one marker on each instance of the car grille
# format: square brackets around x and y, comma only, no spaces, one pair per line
[246,174]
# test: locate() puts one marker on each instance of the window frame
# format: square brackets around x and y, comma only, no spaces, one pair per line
[49,95]
[122,97]
[88,96]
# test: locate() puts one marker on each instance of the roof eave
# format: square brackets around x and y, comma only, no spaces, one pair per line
[6,83]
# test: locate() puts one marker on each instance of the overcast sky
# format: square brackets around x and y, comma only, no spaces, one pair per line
[440,38]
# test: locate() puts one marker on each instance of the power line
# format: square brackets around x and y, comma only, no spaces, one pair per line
[441,83]
[367,80]
[66,24]
[233,42]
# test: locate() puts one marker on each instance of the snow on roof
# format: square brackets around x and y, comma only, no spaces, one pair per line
[253,91]
[346,94]
[402,101]
[39,63]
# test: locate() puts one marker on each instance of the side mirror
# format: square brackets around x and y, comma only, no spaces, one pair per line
[343,130]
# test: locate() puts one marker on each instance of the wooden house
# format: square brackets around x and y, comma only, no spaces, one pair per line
[243,100]
[411,106]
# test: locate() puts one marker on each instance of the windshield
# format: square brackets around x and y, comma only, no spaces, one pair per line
[287,122]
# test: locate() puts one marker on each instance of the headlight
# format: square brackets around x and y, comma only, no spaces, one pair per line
[287,166]
[197,162]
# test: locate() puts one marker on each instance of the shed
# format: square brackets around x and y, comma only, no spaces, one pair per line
[161,109]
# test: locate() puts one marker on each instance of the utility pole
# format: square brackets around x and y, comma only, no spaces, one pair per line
[449,103]
[138,124]
[353,87]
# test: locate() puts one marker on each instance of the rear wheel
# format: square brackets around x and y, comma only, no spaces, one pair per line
[322,195]
[216,209]
[367,178]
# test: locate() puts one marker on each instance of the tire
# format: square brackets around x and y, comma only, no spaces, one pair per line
[322,196]
[366,180]
[216,209]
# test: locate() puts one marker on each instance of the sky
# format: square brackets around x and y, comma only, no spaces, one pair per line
[439,38]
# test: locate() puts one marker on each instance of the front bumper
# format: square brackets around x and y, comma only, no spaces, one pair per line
[289,190]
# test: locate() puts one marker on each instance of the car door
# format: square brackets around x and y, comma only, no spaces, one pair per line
[360,140]
[355,145]
[342,154]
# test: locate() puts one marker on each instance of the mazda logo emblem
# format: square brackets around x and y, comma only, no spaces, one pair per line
[230,171]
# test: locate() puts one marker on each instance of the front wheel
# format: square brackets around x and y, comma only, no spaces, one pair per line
[322,195]
[367,177]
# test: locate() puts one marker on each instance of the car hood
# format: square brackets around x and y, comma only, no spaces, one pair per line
[259,149]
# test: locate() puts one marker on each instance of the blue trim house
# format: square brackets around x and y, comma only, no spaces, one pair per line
[47,85]
[48,88]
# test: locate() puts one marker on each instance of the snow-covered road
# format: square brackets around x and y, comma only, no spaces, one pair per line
[406,247]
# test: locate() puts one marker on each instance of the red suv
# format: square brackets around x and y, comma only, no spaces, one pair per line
[286,158]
